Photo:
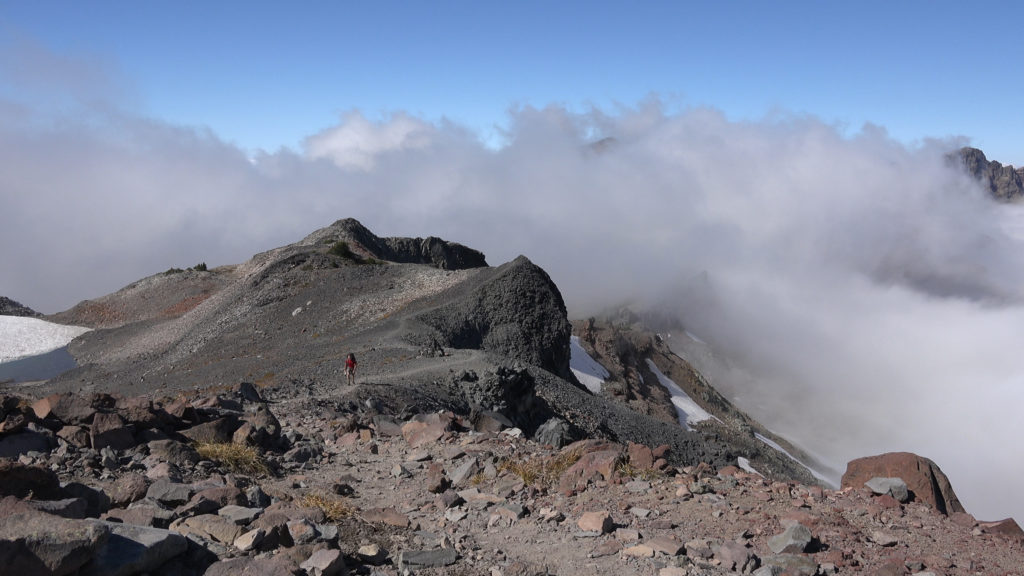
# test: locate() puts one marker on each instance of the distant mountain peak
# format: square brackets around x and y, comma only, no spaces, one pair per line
[1004,182]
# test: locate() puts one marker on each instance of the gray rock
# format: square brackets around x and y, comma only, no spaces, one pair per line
[241,515]
[894,487]
[793,540]
[555,432]
[219,431]
[427,558]
[737,557]
[177,453]
[134,549]
[324,563]
[250,539]
[33,542]
[66,508]
[169,493]
[791,564]
[97,501]
[247,391]
[208,526]
[463,472]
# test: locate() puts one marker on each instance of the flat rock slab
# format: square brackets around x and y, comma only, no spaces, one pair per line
[33,542]
[132,549]
[427,558]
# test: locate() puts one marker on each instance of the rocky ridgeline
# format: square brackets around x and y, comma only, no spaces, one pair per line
[9,307]
[1004,182]
[102,484]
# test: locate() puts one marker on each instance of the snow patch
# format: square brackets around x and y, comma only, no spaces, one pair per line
[746,467]
[689,411]
[776,446]
[588,371]
[21,337]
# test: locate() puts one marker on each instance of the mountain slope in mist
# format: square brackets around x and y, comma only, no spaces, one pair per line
[431,329]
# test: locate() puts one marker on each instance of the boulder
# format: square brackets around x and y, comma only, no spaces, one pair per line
[128,489]
[67,408]
[174,452]
[793,540]
[600,522]
[33,542]
[324,563]
[134,549]
[514,310]
[554,432]
[923,478]
[219,431]
[1007,527]
[111,430]
[17,479]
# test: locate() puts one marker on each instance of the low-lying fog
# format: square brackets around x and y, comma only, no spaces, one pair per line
[871,291]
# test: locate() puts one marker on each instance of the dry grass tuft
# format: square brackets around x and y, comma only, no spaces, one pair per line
[626,470]
[539,470]
[334,508]
[236,457]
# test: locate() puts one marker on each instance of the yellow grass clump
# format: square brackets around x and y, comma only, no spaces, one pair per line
[236,457]
[539,470]
[334,509]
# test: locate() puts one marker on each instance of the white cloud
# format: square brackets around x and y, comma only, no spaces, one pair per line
[872,290]
[357,142]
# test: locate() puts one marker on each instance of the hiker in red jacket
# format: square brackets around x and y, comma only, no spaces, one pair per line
[350,369]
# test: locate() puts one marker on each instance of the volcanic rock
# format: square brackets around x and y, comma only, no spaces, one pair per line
[923,478]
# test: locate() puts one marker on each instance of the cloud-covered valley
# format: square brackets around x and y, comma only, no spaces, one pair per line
[873,292]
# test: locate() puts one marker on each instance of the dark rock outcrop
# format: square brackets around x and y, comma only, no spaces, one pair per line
[431,250]
[1004,182]
[922,476]
[9,307]
[515,311]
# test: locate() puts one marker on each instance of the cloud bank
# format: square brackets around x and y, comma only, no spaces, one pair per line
[872,292]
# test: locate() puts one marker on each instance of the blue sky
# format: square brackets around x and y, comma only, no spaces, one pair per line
[265,75]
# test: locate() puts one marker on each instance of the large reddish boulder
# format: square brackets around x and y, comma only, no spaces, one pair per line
[923,477]
[66,407]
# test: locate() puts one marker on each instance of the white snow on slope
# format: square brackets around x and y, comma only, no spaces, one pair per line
[689,411]
[813,472]
[22,337]
[587,370]
[745,465]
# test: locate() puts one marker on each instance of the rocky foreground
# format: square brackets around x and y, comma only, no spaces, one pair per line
[253,481]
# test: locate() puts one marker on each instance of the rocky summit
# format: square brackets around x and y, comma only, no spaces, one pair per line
[209,430]
[1004,182]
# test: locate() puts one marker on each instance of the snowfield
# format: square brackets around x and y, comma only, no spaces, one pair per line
[22,337]
[587,370]
[815,473]
[689,411]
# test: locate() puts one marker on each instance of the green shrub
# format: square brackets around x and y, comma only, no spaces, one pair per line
[340,248]
[201,267]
